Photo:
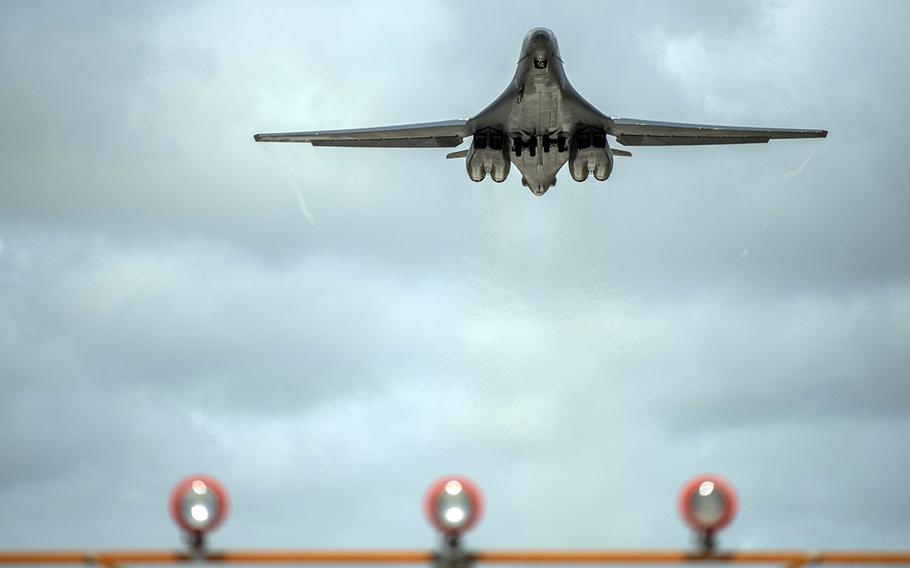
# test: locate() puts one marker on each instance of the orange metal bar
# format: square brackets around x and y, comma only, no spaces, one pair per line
[681,556]
[110,558]
[324,556]
[791,558]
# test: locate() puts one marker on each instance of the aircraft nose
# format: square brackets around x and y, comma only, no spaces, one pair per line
[540,43]
[540,40]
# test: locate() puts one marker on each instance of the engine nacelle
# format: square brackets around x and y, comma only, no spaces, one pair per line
[589,153]
[489,154]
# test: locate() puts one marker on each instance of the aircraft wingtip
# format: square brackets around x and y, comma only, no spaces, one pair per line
[257,137]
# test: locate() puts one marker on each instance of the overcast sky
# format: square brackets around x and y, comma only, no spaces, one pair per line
[167,305]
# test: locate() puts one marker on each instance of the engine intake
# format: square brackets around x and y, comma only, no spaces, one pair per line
[489,154]
[590,153]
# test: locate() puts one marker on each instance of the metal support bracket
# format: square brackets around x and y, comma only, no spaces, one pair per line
[452,555]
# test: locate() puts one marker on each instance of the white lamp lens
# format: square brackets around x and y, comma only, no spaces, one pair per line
[198,506]
[453,506]
[454,515]
[199,513]
[708,505]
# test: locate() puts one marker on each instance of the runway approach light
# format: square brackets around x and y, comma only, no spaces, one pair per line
[198,505]
[453,505]
[707,503]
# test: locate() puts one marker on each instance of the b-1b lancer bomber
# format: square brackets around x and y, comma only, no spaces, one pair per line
[539,123]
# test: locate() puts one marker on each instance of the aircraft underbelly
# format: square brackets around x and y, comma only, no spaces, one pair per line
[538,106]
[539,112]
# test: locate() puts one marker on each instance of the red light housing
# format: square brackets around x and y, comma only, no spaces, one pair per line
[198,504]
[708,503]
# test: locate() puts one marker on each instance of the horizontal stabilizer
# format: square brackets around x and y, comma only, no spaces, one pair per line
[458,154]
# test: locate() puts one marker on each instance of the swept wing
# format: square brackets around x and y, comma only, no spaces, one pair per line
[637,132]
[444,134]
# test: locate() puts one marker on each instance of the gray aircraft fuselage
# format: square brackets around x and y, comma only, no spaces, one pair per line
[538,102]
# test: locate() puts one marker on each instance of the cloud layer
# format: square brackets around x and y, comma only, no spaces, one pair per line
[166,307]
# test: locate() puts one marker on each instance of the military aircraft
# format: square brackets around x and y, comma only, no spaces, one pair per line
[539,123]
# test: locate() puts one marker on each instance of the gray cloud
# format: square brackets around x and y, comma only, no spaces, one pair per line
[166,308]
